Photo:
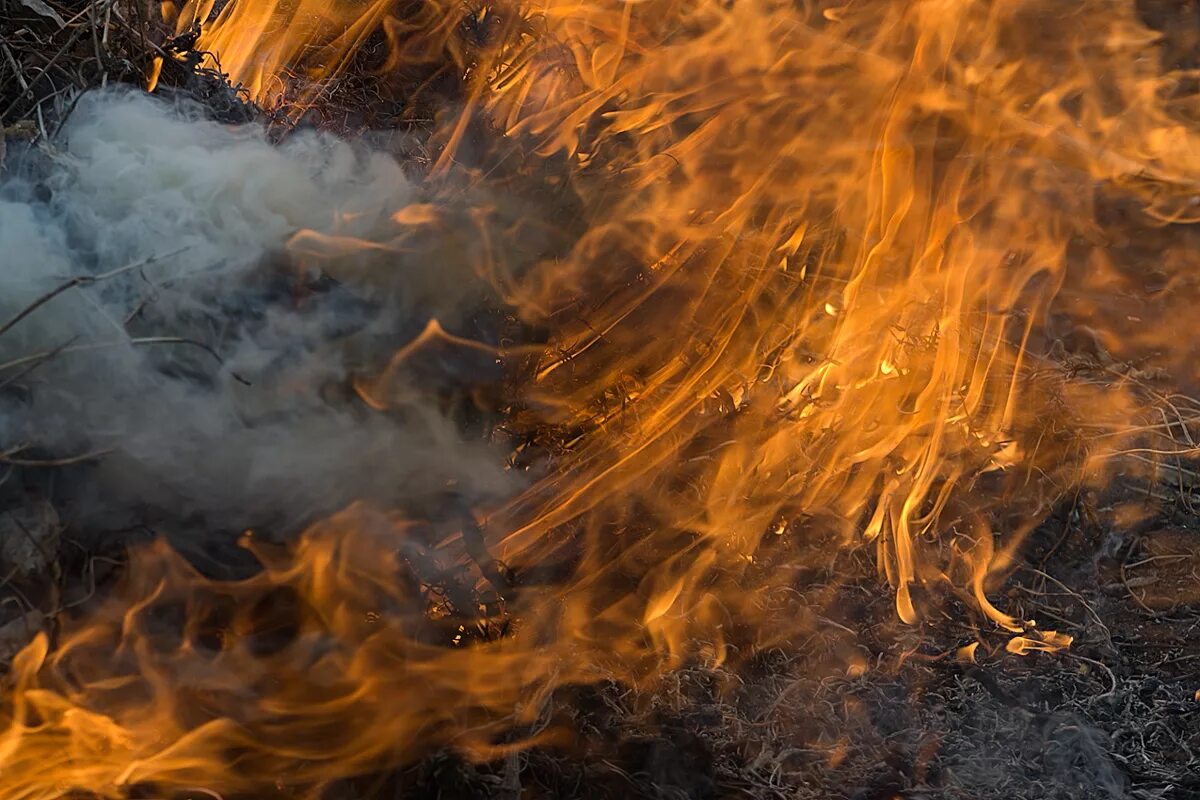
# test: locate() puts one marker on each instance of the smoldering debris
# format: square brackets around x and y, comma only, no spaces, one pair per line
[154,313]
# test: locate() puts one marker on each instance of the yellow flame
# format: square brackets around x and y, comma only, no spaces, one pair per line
[156,65]
[1046,641]
[266,46]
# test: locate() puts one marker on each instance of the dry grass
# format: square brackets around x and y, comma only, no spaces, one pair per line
[53,50]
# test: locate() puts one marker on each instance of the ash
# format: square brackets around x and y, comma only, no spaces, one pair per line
[1113,717]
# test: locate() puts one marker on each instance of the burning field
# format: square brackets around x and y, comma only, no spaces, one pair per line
[655,399]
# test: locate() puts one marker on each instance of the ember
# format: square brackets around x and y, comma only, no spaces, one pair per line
[575,376]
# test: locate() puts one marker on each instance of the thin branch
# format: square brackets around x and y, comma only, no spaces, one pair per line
[81,280]
[39,358]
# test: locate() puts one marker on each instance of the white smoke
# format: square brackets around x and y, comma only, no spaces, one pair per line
[184,225]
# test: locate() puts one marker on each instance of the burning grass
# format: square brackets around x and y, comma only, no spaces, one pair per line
[827,439]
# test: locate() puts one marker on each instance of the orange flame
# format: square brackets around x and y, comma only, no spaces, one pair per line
[811,309]
[264,45]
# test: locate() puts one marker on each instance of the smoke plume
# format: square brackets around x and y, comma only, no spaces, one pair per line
[223,292]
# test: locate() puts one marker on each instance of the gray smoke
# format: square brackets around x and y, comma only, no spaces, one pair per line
[195,284]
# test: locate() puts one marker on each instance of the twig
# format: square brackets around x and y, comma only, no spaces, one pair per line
[17,71]
[53,462]
[53,61]
[38,358]
[1077,596]
[31,367]
[81,280]
[1111,675]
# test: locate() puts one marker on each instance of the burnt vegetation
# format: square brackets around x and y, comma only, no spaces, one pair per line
[1116,715]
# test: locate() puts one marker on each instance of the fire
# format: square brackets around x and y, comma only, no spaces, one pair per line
[265,44]
[810,310]
[158,693]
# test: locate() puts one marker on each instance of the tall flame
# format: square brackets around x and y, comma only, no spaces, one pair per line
[811,309]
